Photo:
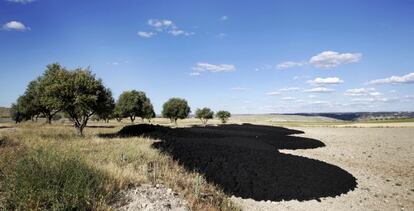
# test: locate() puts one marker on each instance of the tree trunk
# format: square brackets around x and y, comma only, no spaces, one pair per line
[49,119]
[79,130]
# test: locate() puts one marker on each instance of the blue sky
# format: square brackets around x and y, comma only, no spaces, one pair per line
[242,56]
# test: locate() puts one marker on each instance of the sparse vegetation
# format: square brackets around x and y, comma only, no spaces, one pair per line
[114,163]
[204,114]
[176,108]
[223,116]
[45,180]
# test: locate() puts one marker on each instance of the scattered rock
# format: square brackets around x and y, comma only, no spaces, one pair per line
[150,198]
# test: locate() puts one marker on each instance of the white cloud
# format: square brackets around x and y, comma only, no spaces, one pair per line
[331,59]
[165,25]
[289,89]
[319,90]
[239,89]
[177,32]
[146,34]
[15,26]
[362,92]
[160,24]
[202,67]
[325,81]
[273,93]
[21,1]
[288,98]
[371,99]
[224,18]
[289,64]
[405,79]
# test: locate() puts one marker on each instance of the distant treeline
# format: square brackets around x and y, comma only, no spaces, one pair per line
[354,116]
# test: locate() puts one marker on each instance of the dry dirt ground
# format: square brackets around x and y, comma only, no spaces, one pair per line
[381,159]
[150,198]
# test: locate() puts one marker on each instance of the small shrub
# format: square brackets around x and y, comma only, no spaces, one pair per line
[42,180]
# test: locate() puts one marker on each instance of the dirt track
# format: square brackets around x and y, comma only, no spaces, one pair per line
[382,160]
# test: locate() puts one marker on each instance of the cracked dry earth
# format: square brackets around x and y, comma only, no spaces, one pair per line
[381,159]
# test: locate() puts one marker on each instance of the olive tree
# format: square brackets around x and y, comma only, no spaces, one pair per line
[80,95]
[108,108]
[42,87]
[148,110]
[134,104]
[176,108]
[223,116]
[117,114]
[204,114]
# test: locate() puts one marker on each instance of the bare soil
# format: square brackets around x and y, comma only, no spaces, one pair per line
[382,160]
[150,198]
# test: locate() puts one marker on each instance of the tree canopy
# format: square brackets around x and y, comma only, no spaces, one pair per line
[204,114]
[223,116]
[134,104]
[176,108]
[77,93]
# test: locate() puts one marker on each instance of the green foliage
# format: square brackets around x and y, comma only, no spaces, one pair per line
[117,114]
[77,93]
[134,104]
[148,110]
[223,116]
[204,114]
[176,108]
[42,180]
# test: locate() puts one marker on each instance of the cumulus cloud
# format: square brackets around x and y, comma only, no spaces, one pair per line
[273,93]
[362,92]
[325,81]
[146,34]
[405,79]
[215,68]
[289,64]
[163,26]
[177,32]
[319,90]
[15,26]
[325,60]
[160,25]
[21,1]
[331,59]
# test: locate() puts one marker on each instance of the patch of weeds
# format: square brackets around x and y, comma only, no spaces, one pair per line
[44,180]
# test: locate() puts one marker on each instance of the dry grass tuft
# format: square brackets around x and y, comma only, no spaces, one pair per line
[127,162]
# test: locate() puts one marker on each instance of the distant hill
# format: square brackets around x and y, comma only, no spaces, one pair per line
[354,116]
[4,112]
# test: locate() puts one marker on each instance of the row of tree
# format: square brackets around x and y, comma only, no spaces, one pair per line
[204,114]
[79,95]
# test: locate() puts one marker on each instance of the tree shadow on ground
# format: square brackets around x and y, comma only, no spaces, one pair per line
[244,160]
[100,126]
